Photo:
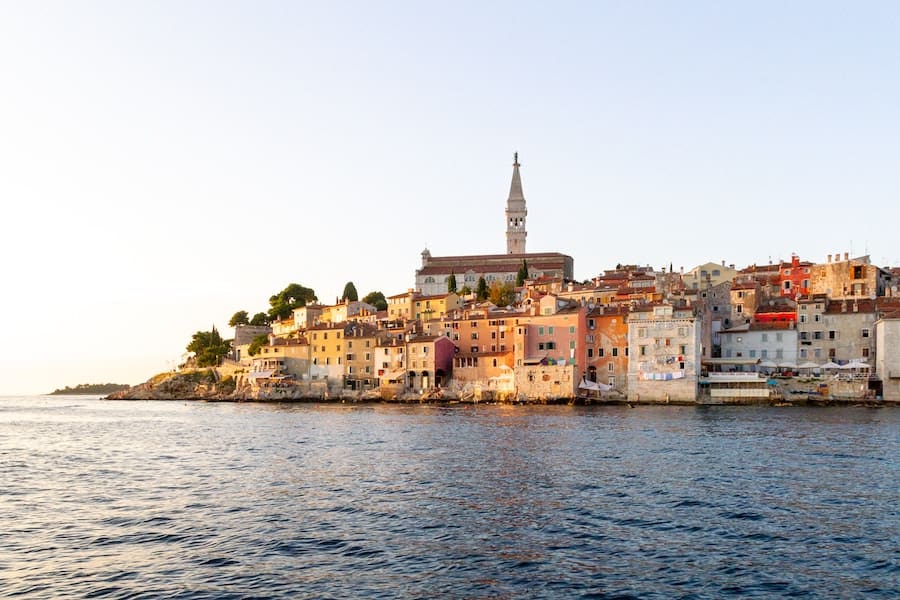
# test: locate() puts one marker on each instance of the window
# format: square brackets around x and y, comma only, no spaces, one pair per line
[865,352]
[817,353]
[803,353]
[474,349]
[778,336]
[615,351]
[817,318]
[682,349]
[865,332]
[612,380]
[474,335]
[571,329]
[600,352]
[642,332]
[832,335]
[611,367]
[779,353]
[590,323]
[787,285]
[540,331]
[753,354]
[803,318]
[765,337]
[739,308]
[590,353]
[643,350]
[572,345]
[550,330]
[817,335]
[764,354]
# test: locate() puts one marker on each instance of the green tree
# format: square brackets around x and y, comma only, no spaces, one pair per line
[481,292]
[350,292]
[239,318]
[376,299]
[259,319]
[522,275]
[291,297]
[451,283]
[502,294]
[257,343]
[465,291]
[208,347]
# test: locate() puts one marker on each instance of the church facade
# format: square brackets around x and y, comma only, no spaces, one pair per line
[431,278]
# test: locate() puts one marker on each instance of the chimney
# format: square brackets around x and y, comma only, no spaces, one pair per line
[829,258]
[723,262]
[846,256]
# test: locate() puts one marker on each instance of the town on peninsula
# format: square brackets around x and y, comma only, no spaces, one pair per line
[516,327]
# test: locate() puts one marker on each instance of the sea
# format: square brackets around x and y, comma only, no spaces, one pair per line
[126,499]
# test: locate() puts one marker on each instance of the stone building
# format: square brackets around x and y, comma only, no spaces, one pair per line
[606,340]
[849,278]
[664,353]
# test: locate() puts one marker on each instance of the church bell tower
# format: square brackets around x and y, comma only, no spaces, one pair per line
[515,213]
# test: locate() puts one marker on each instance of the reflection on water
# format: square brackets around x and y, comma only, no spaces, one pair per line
[192,500]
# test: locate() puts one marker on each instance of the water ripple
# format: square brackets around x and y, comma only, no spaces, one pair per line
[176,500]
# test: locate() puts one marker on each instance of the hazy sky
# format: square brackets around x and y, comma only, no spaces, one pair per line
[165,164]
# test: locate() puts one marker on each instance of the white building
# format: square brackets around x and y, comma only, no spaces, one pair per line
[663,353]
[887,356]
[775,342]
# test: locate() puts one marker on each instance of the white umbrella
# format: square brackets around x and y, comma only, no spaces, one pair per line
[831,365]
[787,365]
[855,364]
[809,365]
[768,364]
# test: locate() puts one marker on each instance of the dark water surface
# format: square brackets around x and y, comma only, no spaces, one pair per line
[194,500]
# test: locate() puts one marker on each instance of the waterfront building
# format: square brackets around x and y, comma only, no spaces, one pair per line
[664,353]
[484,340]
[549,349]
[606,342]
[429,361]
[887,357]
[361,340]
[774,341]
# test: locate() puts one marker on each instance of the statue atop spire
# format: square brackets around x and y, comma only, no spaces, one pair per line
[515,213]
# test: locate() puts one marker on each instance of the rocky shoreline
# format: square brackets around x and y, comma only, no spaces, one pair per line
[209,386]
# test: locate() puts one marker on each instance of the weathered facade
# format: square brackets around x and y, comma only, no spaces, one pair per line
[664,353]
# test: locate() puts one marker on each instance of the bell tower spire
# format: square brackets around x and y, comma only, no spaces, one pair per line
[515,213]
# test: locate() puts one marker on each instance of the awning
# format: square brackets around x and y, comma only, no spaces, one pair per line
[594,385]
[396,375]
[730,361]
[260,374]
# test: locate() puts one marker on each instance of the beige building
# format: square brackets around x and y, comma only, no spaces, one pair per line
[663,353]
[709,275]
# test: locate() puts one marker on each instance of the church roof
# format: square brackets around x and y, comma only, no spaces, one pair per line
[515,187]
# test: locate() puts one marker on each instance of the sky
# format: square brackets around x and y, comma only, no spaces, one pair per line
[166,164]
